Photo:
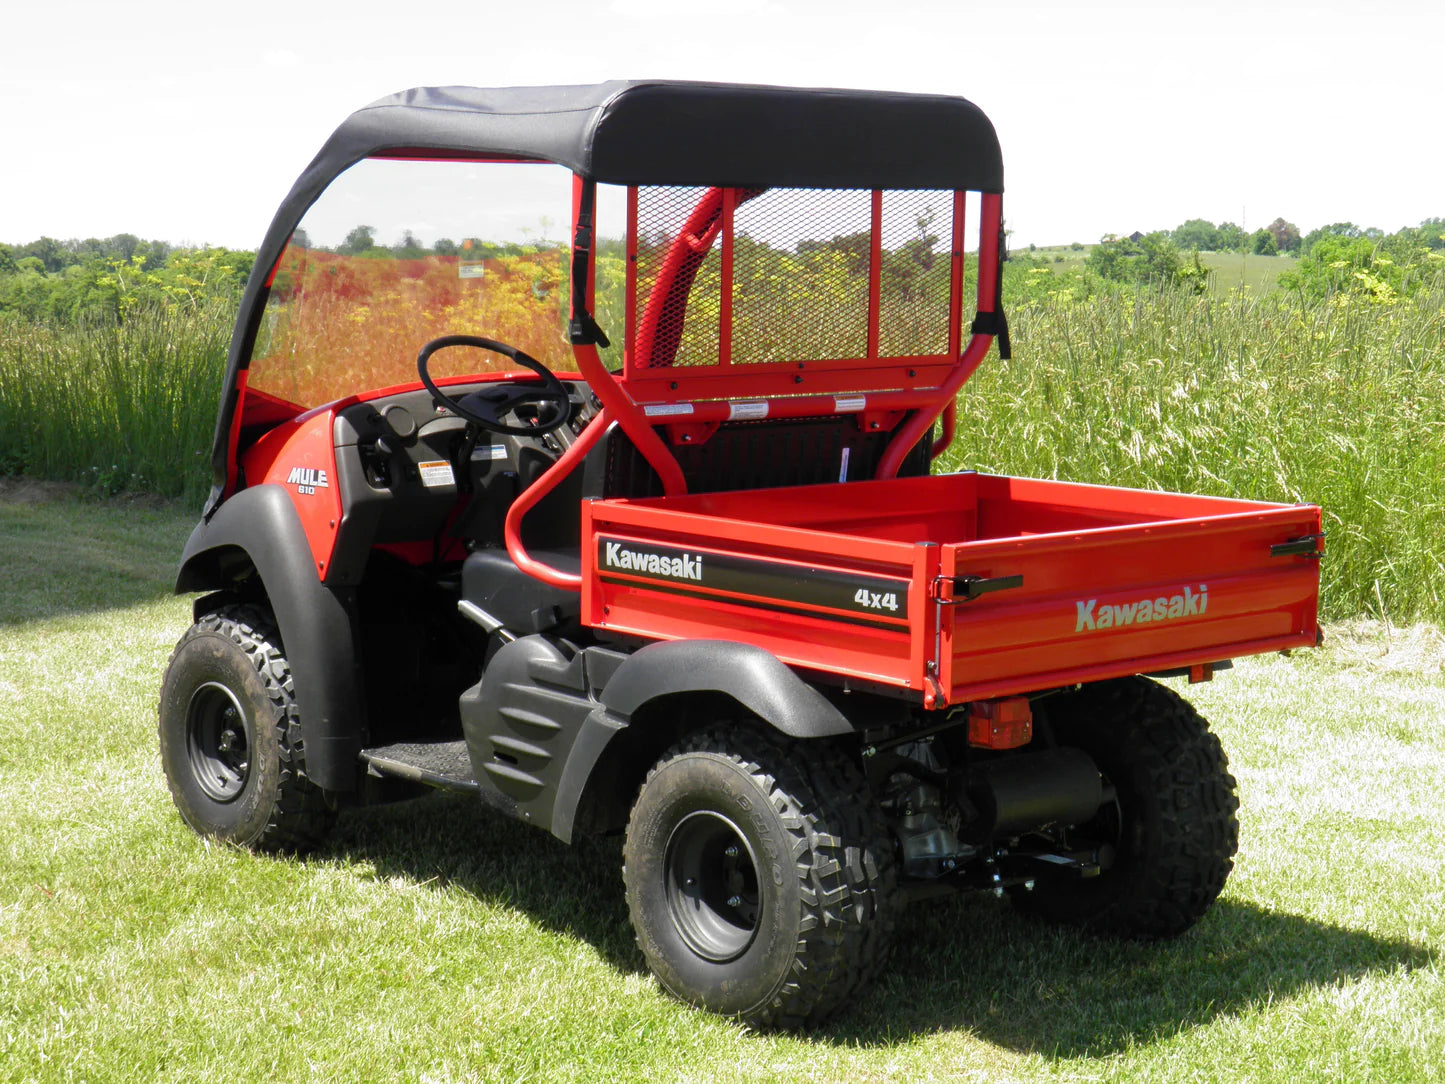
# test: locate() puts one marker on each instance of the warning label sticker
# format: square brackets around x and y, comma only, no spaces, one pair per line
[437,472]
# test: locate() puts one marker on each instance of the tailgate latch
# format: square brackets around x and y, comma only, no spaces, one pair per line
[967,588]
[1306,545]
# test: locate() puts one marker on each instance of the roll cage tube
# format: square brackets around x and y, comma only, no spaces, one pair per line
[989,317]
[679,270]
[528,498]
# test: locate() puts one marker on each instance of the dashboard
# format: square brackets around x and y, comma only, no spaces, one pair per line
[409,469]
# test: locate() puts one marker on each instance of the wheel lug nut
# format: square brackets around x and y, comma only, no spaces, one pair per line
[734,901]
[732,851]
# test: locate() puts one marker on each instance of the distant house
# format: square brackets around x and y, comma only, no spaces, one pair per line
[1136,237]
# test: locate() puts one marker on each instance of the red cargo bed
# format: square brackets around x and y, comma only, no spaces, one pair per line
[959,587]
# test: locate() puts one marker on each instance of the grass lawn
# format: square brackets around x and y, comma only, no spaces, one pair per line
[1232,270]
[432,941]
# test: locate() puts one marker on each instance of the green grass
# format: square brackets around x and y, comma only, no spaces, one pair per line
[115,408]
[432,941]
[1235,270]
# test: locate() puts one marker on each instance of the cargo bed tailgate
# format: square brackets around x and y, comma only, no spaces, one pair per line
[1170,589]
[959,587]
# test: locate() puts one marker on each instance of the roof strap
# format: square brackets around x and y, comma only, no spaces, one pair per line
[996,323]
[583,329]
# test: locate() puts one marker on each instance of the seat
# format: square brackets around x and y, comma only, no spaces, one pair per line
[492,582]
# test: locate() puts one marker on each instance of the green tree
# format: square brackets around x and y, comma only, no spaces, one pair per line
[1153,259]
[1351,265]
[1430,234]
[1347,230]
[1198,233]
[1232,238]
[1262,243]
[53,256]
[360,240]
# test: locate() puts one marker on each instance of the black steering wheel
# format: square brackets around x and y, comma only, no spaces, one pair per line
[487,406]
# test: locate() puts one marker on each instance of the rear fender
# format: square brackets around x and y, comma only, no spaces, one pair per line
[259,527]
[755,678]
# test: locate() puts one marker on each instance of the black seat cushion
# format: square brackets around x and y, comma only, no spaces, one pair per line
[522,604]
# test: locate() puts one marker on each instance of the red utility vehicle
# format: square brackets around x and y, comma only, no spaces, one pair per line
[645,539]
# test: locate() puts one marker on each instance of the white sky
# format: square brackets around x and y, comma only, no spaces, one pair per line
[188,121]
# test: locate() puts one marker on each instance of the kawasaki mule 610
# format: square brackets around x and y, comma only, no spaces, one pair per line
[574,451]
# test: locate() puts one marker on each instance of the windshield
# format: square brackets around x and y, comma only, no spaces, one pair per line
[396,253]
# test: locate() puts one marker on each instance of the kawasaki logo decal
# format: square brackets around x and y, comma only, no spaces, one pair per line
[687,566]
[1090,616]
[785,587]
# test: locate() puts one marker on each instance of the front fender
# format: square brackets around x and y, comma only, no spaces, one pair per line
[755,678]
[259,526]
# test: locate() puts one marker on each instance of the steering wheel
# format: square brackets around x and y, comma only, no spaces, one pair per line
[487,406]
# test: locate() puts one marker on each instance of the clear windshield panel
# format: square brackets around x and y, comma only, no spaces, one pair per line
[397,253]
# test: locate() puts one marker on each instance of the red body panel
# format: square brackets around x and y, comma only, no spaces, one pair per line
[301,457]
[859,579]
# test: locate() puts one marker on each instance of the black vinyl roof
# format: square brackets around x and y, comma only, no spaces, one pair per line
[649,133]
[681,133]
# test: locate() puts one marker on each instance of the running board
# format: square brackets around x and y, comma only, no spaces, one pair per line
[444,764]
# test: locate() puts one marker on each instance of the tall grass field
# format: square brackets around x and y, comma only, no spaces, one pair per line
[118,408]
[1261,395]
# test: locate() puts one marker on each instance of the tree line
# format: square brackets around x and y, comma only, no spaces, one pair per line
[109,278]
[1339,257]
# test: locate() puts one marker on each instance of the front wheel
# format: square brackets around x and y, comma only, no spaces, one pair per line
[1169,834]
[230,736]
[758,880]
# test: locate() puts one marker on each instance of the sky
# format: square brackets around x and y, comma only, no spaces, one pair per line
[188,122]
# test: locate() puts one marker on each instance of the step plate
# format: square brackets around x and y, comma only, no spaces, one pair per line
[439,764]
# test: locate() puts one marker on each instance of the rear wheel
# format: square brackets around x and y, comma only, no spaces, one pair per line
[1168,838]
[230,736]
[758,881]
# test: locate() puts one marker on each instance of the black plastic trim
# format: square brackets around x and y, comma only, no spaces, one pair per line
[755,678]
[314,620]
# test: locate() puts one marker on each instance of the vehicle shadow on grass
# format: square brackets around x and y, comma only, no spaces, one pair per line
[452,839]
[973,963]
[967,963]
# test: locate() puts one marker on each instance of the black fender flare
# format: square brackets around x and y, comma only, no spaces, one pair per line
[314,621]
[755,678]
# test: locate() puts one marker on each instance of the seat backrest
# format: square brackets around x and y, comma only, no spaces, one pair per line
[750,455]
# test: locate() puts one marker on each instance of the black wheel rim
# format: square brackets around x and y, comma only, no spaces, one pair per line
[712,886]
[218,741]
